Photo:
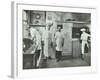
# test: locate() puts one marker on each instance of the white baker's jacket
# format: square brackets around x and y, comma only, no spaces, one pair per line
[84,36]
[36,37]
[59,41]
[47,38]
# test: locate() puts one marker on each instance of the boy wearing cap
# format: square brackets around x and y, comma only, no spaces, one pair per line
[84,38]
[59,43]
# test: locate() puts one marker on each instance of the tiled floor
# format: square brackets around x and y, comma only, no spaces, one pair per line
[65,62]
[72,62]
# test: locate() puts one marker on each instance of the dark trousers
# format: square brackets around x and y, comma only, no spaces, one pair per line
[58,55]
[36,56]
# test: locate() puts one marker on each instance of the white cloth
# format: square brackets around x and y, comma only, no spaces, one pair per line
[45,39]
[47,42]
[59,41]
[83,29]
[84,38]
[83,46]
[33,32]
[38,40]
[36,37]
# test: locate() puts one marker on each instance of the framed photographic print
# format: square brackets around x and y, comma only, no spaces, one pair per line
[49,40]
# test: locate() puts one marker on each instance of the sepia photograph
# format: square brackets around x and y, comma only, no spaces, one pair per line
[55,39]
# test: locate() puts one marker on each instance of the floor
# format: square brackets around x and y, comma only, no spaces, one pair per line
[65,62]
[72,62]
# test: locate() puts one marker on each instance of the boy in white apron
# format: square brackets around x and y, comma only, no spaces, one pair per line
[59,43]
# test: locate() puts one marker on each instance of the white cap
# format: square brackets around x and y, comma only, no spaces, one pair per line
[83,29]
[49,23]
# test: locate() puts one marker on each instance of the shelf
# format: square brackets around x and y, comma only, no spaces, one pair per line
[80,22]
[37,25]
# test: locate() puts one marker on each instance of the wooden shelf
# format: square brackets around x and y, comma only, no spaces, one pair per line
[37,25]
[80,22]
